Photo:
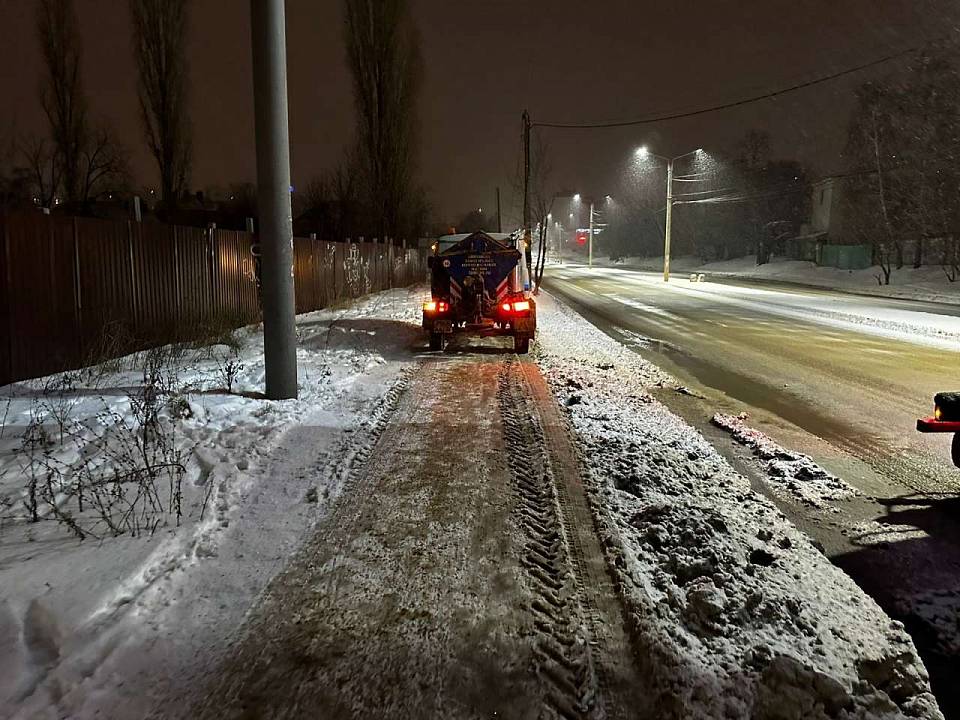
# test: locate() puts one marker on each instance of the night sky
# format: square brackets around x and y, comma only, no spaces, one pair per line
[565,60]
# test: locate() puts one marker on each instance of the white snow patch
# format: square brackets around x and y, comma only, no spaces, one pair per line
[788,472]
[125,625]
[740,614]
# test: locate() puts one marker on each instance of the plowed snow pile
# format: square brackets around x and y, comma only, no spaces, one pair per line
[739,615]
[788,472]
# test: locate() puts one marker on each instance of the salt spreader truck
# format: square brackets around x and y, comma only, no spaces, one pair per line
[946,418]
[479,285]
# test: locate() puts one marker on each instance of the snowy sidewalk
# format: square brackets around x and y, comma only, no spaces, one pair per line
[442,582]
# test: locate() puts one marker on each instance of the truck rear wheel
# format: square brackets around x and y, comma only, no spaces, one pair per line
[436,341]
[956,449]
[521,344]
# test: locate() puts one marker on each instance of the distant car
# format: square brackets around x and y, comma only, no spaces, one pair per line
[945,418]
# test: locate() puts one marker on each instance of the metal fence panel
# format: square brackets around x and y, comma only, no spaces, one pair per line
[80,290]
[6,329]
[32,314]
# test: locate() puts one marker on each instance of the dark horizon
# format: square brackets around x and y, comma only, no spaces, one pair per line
[617,63]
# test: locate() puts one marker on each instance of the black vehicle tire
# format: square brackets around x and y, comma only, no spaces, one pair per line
[955,450]
[436,341]
[521,344]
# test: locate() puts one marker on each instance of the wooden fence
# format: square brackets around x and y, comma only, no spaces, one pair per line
[78,290]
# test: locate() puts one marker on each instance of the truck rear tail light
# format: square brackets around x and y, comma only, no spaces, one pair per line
[430,307]
[520,306]
[438,306]
[442,307]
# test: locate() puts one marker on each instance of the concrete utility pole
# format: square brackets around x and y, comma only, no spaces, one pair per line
[666,232]
[590,240]
[643,153]
[268,31]
[526,193]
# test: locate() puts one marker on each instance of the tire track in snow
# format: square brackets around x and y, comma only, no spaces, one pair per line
[563,644]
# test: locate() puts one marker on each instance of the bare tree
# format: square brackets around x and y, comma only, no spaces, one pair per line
[42,165]
[383,52]
[105,165]
[61,92]
[542,197]
[160,39]
[541,202]
[903,152]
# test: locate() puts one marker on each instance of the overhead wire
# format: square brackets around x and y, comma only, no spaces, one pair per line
[737,103]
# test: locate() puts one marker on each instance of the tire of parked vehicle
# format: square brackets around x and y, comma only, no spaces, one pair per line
[955,451]
[521,344]
[436,341]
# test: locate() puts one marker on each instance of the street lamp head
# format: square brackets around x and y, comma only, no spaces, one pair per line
[609,199]
[698,150]
[576,197]
[549,216]
[642,152]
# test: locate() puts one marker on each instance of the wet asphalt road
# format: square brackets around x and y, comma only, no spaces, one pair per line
[849,397]
[819,378]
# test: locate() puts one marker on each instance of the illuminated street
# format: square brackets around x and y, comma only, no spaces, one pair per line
[839,377]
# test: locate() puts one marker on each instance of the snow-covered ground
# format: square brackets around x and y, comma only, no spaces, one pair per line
[108,625]
[741,615]
[787,471]
[927,283]
[738,613]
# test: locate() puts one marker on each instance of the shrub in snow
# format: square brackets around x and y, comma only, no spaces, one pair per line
[117,472]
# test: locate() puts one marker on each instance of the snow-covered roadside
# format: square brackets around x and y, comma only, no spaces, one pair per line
[928,283]
[742,616]
[788,472]
[119,627]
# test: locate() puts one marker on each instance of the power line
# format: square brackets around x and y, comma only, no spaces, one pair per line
[735,103]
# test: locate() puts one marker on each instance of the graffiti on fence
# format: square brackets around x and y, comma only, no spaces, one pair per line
[357,272]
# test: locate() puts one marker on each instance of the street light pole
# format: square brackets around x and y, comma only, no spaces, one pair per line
[268,34]
[590,242]
[642,152]
[666,232]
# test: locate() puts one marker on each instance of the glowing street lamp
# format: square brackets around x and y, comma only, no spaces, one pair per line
[643,153]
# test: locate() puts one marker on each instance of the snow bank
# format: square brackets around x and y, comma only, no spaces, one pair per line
[927,283]
[121,625]
[738,612]
[787,471]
